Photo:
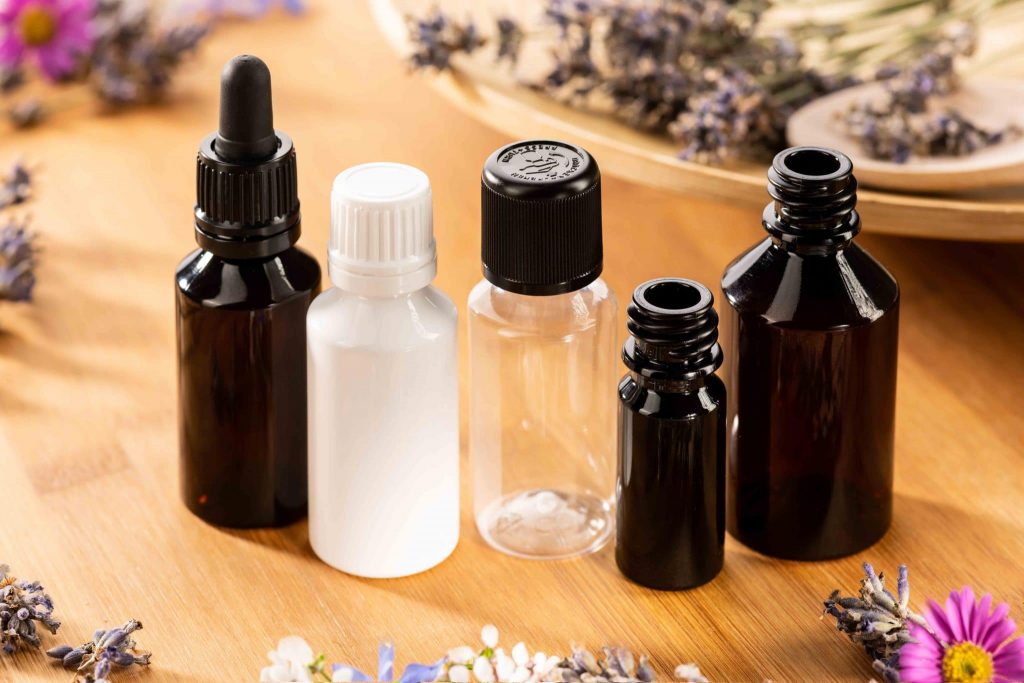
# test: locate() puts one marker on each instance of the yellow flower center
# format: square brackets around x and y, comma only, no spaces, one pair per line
[36,26]
[9,581]
[966,663]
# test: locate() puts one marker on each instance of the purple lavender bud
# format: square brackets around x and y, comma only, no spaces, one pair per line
[58,652]
[74,657]
[102,669]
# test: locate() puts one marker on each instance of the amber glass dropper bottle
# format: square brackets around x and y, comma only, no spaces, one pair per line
[241,318]
[814,323]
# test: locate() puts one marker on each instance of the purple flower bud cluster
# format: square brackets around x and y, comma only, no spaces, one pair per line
[906,121]
[24,608]
[107,649]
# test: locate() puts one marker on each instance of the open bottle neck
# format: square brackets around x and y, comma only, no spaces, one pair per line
[814,197]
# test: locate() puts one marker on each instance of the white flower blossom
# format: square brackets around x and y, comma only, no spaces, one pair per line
[690,673]
[290,662]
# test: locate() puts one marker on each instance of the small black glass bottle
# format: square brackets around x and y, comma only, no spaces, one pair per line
[671,478]
[241,319]
[814,325]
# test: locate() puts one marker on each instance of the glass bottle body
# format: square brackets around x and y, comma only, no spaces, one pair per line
[241,338]
[812,398]
[671,481]
[542,426]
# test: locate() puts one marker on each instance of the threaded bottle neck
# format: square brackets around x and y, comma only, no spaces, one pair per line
[814,197]
[673,331]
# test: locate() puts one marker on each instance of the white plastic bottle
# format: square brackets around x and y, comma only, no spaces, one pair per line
[383,384]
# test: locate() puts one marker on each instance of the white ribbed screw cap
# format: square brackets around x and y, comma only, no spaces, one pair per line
[382,233]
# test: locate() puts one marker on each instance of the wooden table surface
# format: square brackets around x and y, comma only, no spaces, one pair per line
[88,452]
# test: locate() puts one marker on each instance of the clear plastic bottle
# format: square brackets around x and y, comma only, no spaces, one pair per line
[543,354]
[383,384]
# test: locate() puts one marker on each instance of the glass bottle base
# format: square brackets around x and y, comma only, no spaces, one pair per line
[543,524]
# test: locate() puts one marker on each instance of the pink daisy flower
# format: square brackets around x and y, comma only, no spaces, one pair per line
[52,32]
[969,644]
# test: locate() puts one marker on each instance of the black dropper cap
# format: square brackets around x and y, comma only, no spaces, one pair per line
[247,203]
[541,218]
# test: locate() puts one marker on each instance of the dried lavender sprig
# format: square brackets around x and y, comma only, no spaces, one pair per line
[16,186]
[108,648]
[23,604]
[877,620]
[903,122]
[133,60]
[17,262]
[437,36]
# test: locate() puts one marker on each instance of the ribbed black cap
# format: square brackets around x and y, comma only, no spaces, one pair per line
[247,199]
[541,218]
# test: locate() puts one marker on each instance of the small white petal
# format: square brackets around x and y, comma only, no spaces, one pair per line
[504,666]
[463,654]
[458,674]
[295,650]
[690,673]
[520,654]
[482,670]
[489,634]
[552,662]
[520,675]
[343,674]
[539,659]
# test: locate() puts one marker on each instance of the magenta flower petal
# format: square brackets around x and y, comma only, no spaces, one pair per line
[979,617]
[988,636]
[11,50]
[955,616]
[936,617]
[72,34]
[967,637]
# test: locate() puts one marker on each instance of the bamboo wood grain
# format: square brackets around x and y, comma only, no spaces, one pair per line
[88,439]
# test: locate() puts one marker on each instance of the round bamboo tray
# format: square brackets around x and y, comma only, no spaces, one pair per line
[490,93]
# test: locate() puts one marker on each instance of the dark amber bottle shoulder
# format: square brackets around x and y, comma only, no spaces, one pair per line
[845,287]
[216,282]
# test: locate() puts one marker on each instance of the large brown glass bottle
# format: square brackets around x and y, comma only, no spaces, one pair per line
[814,323]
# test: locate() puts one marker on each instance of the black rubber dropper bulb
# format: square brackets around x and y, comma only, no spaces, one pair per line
[246,131]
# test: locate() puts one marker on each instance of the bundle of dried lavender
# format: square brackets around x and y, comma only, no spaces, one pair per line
[696,69]
[706,72]
[877,620]
[23,605]
[133,58]
[108,648]
[904,121]
[17,245]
